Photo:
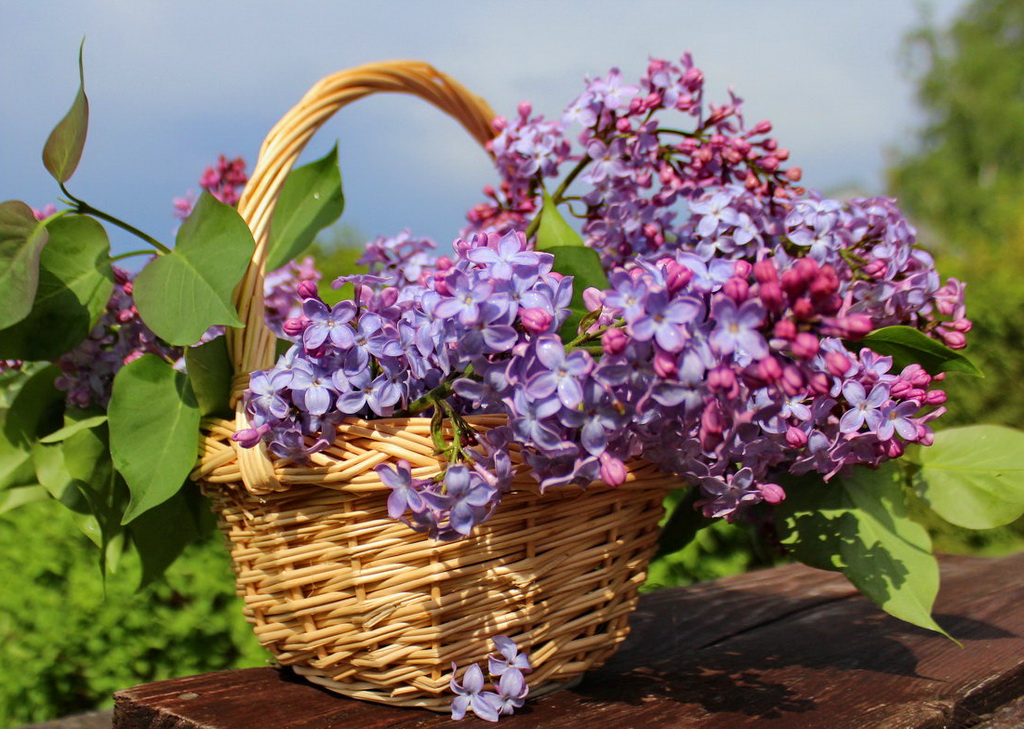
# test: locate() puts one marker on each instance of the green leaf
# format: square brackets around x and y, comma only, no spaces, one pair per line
[37,408]
[973,476]
[15,460]
[12,498]
[682,524]
[75,427]
[861,527]
[22,238]
[154,431]
[54,477]
[209,372]
[88,462]
[163,532]
[584,265]
[185,292]
[63,148]
[75,283]
[310,200]
[907,345]
[552,230]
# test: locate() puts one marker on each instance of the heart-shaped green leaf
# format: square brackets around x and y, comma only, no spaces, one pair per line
[63,148]
[907,345]
[75,283]
[584,265]
[160,534]
[185,292]
[310,200]
[973,476]
[861,527]
[22,238]
[552,230]
[209,371]
[154,431]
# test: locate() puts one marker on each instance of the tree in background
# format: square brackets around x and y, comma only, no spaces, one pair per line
[963,183]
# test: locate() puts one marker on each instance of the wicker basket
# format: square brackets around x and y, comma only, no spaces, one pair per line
[361,604]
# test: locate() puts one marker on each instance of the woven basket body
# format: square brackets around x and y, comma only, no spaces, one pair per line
[362,604]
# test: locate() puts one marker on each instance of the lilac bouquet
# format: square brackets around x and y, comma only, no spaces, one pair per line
[779,352]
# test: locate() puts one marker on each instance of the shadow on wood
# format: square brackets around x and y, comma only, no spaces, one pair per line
[787,647]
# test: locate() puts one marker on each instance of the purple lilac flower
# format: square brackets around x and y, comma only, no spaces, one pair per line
[470,696]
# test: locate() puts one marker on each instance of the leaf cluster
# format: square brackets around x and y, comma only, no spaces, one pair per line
[123,472]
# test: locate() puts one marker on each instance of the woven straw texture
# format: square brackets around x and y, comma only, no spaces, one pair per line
[362,604]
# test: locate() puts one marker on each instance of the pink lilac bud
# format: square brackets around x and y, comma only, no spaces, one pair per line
[875,268]
[793,174]
[737,289]
[782,154]
[796,437]
[765,271]
[307,289]
[524,108]
[677,276]
[250,437]
[772,296]
[935,397]
[770,163]
[772,493]
[722,380]
[893,448]
[807,269]
[805,345]
[536,320]
[613,470]
[762,127]
[803,309]
[769,369]
[793,283]
[916,375]
[665,364]
[838,363]
[784,329]
[614,341]
[295,327]
[793,380]
[819,383]
[954,340]
[742,269]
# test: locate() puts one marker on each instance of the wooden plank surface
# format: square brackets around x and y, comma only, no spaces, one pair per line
[785,648]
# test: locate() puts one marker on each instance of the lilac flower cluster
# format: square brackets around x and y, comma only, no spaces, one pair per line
[224,181]
[638,169]
[506,669]
[406,343]
[721,352]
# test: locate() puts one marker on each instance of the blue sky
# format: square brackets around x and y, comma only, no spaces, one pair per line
[172,84]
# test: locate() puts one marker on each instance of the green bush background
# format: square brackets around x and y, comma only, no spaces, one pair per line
[68,639]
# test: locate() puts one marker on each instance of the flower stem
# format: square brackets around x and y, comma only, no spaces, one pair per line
[85,208]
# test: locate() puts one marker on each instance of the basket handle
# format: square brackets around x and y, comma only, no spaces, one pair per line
[252,347]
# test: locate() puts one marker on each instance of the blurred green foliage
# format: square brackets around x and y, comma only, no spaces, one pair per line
[68,641]
[962,183]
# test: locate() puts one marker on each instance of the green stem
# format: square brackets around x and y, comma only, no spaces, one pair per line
[122,256]
[86,209]
[557,195]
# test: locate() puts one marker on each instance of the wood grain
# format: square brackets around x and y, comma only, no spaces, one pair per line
[783,648]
